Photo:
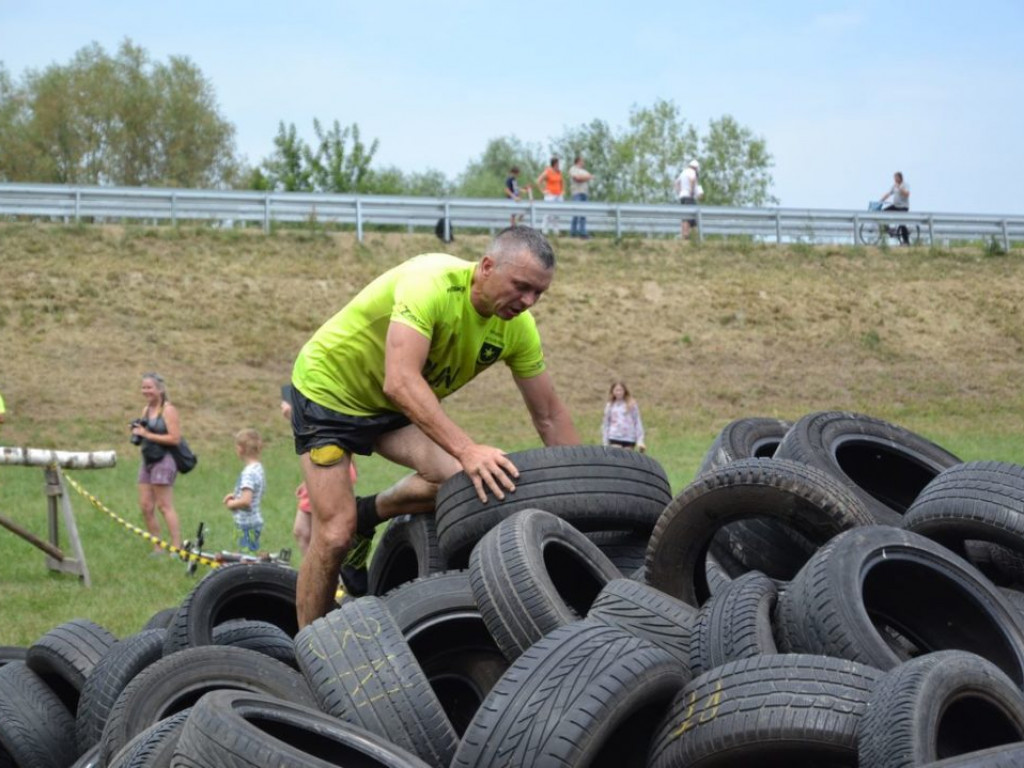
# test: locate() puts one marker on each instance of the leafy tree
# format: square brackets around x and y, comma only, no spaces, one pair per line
[340,162]
[486,176]
[286,169]
[596,143]
[335,166]
[136,113]
[16,159]
[193,144]
[54,131]
[256,179]
[639,163]
[657,145]
[429,183]
[392,181]
[735,166]
[115,120]
[387,181]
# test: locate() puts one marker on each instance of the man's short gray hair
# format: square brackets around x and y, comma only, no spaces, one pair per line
[515,238]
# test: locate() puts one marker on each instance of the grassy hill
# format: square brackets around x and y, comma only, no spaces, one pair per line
[702,334]
[929,339]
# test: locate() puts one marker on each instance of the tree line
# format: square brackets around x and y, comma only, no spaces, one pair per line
[126,120]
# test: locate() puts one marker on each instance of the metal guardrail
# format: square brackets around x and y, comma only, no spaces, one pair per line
[78,203]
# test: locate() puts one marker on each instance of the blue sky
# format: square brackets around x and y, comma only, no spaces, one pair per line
[843,93]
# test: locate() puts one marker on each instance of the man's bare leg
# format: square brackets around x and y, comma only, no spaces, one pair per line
[334,524]
[414,493]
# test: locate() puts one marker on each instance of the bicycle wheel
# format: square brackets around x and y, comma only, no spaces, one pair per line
[905,234]
[870,233]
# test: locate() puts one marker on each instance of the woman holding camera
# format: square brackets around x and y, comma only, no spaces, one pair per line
[155,432]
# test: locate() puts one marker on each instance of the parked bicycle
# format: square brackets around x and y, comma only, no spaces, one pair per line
[871,231]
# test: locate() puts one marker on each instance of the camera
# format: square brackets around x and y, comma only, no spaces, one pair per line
[137,439]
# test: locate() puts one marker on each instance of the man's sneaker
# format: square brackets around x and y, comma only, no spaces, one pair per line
[355,580]
[353,568]
[359,553]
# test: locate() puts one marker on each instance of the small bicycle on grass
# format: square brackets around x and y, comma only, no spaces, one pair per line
[871,232]
[194,550]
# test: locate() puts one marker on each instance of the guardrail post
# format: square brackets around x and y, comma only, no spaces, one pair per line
[359,219]
[700,226]
[618,223]
[447,222]
[931,229]
[533,215]
[174,208]
[1006,236]
[266,214]
[778,227]
[78,204]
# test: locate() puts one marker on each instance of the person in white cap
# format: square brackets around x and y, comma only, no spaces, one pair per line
[686,191]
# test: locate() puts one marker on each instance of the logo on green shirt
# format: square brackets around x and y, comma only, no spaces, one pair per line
[488,354]
[407,313]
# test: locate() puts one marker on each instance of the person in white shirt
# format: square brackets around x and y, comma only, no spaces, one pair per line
[686,185]
[900,194]
[579,188]
[246,498]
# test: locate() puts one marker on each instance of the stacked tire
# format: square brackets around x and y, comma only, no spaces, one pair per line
[829,591]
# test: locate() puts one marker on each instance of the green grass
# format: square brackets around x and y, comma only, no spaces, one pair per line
[129,586]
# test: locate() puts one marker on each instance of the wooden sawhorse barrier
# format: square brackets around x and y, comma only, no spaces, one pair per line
[57,502]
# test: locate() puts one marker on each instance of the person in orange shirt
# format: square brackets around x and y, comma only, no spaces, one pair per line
[550,181]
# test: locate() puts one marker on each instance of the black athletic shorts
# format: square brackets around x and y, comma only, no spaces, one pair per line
[315,426]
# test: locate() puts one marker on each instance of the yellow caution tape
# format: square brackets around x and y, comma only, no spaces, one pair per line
[184,554]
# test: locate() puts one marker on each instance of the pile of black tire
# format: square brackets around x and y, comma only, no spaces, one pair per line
[836,591]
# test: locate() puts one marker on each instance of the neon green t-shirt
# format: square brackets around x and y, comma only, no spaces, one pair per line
[342,366]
